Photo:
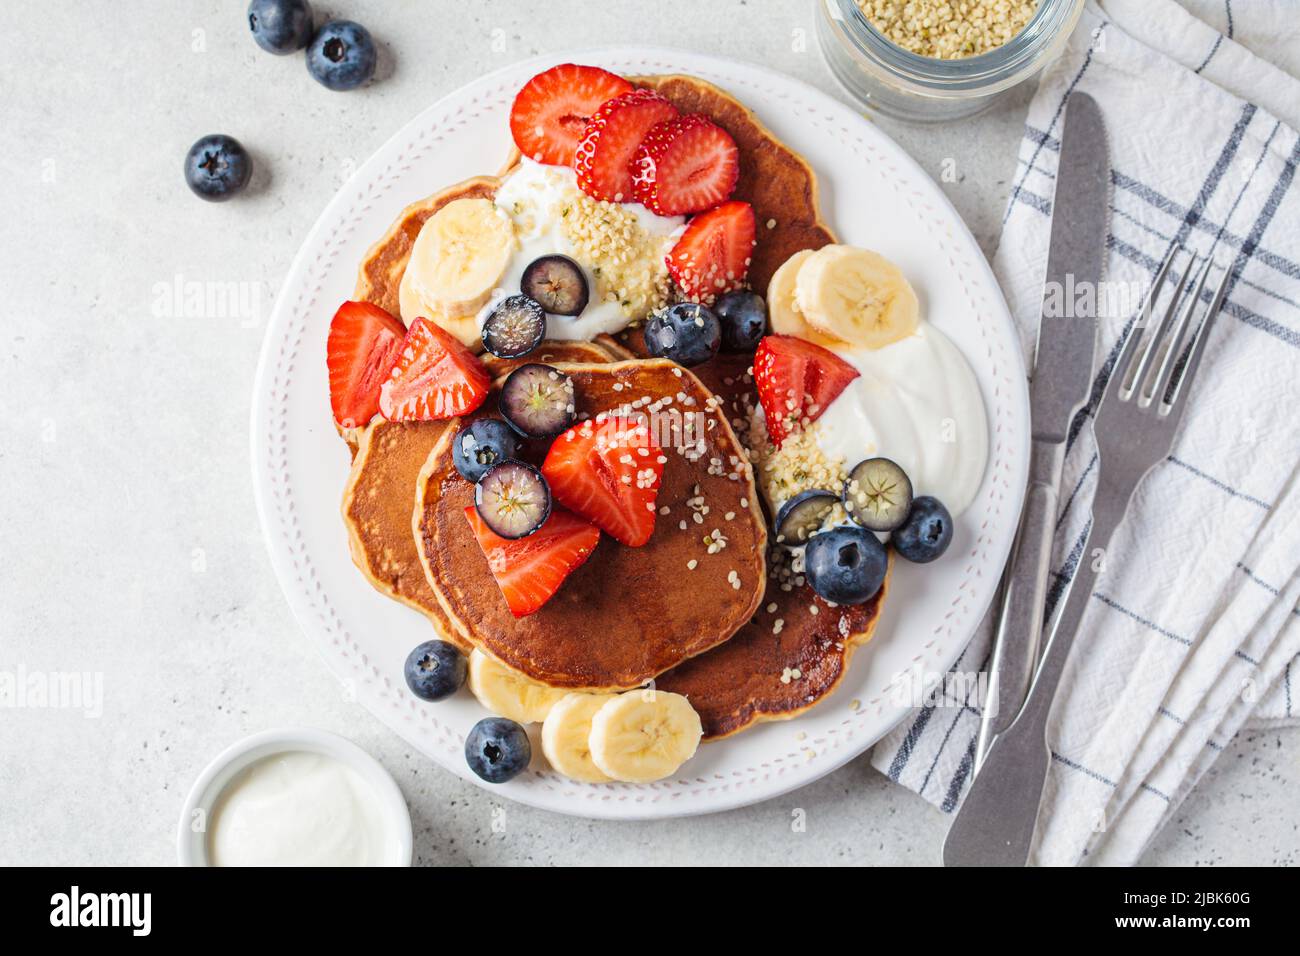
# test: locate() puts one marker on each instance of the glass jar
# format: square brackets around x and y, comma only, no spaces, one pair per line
[906,85]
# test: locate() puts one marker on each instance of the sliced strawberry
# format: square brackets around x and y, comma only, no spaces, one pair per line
[712,256]
[796,381]
[685,165]
[363,344]
[551,112]
[436,376]
[608,470]
[530,570]
[603,158]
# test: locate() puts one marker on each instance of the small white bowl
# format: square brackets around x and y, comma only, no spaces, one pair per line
[192,846]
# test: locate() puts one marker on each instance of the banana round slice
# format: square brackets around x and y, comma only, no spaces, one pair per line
[857,296]
[508,693]
[413,307]
[566,735]
[643,736]
[781,312]
[459,256]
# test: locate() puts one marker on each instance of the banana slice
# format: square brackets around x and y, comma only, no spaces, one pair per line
[412,307]
[459,256]
[642,736]
[508,693]
[566,733]
[781,312]
[856,295]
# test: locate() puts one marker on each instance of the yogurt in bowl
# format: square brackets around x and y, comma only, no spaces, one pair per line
[295,797]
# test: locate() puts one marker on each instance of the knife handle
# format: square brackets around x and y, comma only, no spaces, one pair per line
[1020,625]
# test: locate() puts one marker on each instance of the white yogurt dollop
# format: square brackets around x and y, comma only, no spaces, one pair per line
[300,809]
[916,402]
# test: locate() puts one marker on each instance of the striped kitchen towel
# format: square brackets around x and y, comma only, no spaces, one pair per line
[1193,630]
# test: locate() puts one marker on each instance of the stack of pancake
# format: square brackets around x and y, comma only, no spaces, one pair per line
[733,628]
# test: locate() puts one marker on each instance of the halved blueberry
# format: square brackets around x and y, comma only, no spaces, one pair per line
[435,670]
[878,494]
[927,532]
[480,446]
[538,401]
[802,515]
[514,327]
[743,315]
[687,333]
[845,565]
[498,749]
[557,283]
[513,499]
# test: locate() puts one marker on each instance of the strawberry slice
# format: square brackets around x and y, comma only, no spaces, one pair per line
[436,376]
[603,158]
[363,344]
[530,570]
[796,381]
[685,165]
[712,255]
[608,470]
[551,112]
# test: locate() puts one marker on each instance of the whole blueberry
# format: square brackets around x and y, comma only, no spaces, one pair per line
[497,749]
[280,26]
[435,670]
[476,449]
[743,315]
[926,533]
[845,565]
[686,332]
[342,55]
[217,167]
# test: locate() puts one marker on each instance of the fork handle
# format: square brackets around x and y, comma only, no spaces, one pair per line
[996,823]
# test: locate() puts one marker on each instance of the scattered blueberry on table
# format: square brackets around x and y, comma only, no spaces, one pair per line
[217,167]
[342,55]
[280,26]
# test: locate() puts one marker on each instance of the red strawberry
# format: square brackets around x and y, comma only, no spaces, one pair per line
[603,158]
[608,470]
[685,165]
[796,380]
[551,112]
[363,344]
[435,377]
[712,256]
[530,570]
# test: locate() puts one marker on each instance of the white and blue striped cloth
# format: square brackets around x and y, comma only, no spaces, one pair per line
[1193,630]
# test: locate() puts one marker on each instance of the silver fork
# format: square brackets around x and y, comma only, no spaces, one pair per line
[1135,425]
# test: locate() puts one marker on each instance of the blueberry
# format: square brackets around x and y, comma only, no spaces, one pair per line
[686,332]
[803,515]
[538,400]
[482,445]
[927,532]
[845,565]
[878,494]
[341,55]
[435,670]
[280,26]
[497,749]
[557,283]
[217,167]
[515,326]
[513,499]
[743,315]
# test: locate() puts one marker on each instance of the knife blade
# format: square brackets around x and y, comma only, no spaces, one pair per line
[1062,377]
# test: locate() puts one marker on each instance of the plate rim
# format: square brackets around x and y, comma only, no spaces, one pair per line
[729,795]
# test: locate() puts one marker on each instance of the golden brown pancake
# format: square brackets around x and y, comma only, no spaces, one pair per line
[380,494]
[627,614]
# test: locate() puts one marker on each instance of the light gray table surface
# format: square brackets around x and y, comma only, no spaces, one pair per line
[129,542]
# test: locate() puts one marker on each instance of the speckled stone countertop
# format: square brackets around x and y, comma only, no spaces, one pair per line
[131,547]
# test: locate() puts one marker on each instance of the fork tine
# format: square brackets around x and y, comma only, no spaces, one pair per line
[1174,349]
[1119,372]
[1176,403]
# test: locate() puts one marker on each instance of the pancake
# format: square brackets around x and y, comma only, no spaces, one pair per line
[380,493]
[628,614]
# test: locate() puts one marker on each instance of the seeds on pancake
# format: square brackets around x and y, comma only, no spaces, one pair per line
[692,564]
[777,625]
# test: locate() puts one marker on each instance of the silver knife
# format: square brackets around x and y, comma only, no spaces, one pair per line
[1062,377]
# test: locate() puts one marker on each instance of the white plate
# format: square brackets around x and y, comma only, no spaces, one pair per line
[873,195]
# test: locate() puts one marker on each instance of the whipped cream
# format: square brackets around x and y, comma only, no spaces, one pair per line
[918,403]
